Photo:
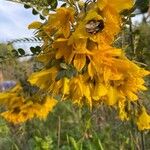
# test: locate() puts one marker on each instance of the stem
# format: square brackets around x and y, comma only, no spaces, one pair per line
[59,128]
[131,36]
[123,39]
[142,141]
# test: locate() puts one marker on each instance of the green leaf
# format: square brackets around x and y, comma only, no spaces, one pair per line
[38,49]
[39,8]
[63,5]
[142,5]
[2,57]
[52,3]
[42,17]
[21,51]
[74,143]
[34,12]
[60,75]
[27,6]
[15,52]
[45,12]
[63,66]
[33,50]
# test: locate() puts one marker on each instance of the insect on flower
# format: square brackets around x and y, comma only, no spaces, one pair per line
[94,26]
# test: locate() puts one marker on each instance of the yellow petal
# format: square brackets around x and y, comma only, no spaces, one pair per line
[107,74]
[90,70]
[79,62]
[99,91]
[123,115]
[35,25]
[102,4]
[132,96]
[87,94]
[112,96]
[47,107]
[143,121]
[120,5]
[65,88]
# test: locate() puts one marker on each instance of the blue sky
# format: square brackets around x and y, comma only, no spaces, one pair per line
[14,19]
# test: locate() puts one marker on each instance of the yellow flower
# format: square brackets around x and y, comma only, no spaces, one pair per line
[60,21]
[46,107]
[100,90]
[123,115]
[21,107]
[114,69]
[112,96]
[63,50]
[44,78]
[14,111]
[132,81]
[29,110]
[116,4]
[80,91]
[82,27]
[75,52]
[80,54]
[143,121]
[97,26]
[65,86]
[110,11]
[35,25]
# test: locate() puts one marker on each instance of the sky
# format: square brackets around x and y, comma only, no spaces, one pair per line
[14,19]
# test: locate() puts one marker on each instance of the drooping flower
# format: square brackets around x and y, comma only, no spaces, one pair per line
[20,108]
[80,64]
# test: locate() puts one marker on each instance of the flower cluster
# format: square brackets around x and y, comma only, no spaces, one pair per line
[22,107]
[81,65]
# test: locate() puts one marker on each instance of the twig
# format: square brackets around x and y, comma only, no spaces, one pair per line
[142,141]
[58,133]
